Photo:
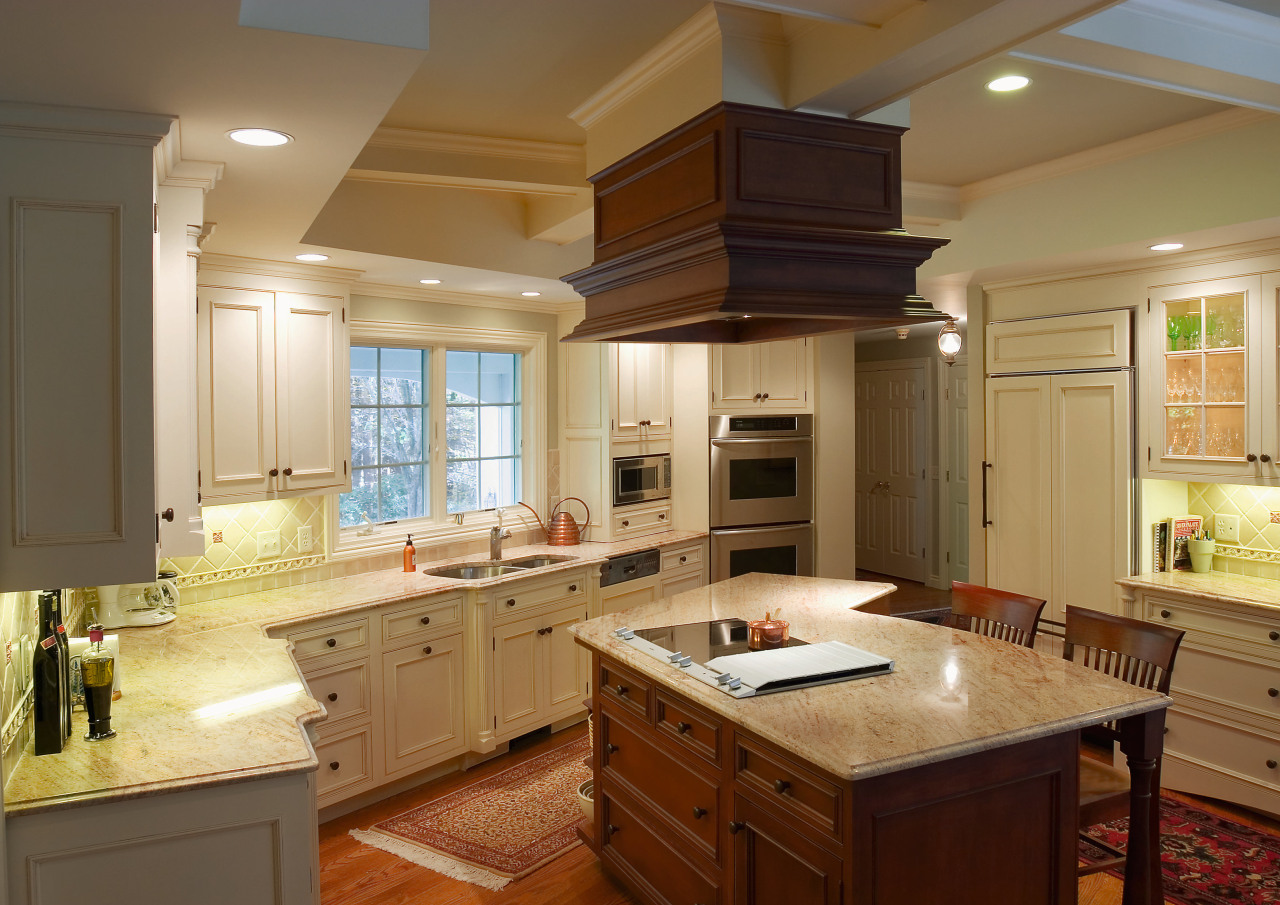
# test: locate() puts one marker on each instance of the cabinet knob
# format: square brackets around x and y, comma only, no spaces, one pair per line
[682,728]
[427,649]
[626,522]
[287,472]
[550,629]
[1251,458]
[662,516]
[764,395]
[611,748]
[1271,765]
[274,472]
[333,696]
[621,689]
[613,829]
[542,631]
[573,587]
[332,642]
[699,813]
[333,765]
[1274,636]
[1264,457]
[757,397]
[1165,614]
[781,785]
[511,602]
[167,515]
[735,827]
[1273,692]
[425,620]
[684,559]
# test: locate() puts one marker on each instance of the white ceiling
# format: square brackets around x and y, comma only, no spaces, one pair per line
[515,70]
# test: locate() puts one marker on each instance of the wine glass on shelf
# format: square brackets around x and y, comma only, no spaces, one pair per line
[1193,331]
[1173,328]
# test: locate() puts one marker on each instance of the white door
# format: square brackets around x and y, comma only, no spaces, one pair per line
[517,691]
[641,390]
[563,662]
[889,471]
[312,424]
[422,694]
[734,381]
[955,409]
[783,367]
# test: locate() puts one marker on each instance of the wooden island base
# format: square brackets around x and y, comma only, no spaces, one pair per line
[692,809]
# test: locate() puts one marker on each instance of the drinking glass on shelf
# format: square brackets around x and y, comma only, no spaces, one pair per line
[1193,331]
[1173,328]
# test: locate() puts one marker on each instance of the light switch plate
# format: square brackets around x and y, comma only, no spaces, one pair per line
[304,539]
[268,544]
[1226,528]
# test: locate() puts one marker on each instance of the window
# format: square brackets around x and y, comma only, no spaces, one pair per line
[442,422]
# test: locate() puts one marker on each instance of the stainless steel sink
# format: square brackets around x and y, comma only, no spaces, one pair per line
[542,559]
[474,570]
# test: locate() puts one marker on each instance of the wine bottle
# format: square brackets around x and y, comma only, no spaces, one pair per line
[46,674]
[64,647]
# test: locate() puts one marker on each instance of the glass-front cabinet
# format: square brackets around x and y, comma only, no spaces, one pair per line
[1212,390]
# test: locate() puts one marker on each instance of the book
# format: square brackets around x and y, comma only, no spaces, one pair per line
[1180,528]
[1159,535]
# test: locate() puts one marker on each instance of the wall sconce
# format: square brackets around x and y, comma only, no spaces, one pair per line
[949,341]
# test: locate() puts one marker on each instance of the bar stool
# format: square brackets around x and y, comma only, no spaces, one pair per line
[994,613]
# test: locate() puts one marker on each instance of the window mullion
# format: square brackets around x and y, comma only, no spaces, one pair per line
[436,409]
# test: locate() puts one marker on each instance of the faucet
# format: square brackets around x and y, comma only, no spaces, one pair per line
[496,536]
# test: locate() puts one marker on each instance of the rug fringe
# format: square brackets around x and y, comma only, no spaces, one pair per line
[441,864]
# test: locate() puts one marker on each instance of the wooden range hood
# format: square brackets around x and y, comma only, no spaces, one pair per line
[748,224]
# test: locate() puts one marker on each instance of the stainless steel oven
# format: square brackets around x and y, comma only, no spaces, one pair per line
[637,479]
[761,495]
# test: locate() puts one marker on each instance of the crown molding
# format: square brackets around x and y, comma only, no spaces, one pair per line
[1125,149]
[172,170]
[477,145]
[265,267]
[1223,18]
[696,33]
[430,180]
[83,124]
[446,297]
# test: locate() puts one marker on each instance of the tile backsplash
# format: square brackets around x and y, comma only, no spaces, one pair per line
[1257,553]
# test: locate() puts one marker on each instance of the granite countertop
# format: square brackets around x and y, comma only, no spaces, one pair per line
[210,699]
[951,693]
[1261,594]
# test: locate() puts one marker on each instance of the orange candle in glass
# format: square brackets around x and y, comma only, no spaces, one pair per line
[767,633]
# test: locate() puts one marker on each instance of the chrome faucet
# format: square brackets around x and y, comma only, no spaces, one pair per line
[496,536]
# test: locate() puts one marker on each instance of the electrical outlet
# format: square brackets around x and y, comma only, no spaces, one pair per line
[304,539]
[1226,528]
[268,544]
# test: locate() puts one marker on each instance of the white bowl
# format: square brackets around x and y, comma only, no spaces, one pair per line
[584,800]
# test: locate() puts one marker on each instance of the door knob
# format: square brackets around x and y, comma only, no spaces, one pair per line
[167,515]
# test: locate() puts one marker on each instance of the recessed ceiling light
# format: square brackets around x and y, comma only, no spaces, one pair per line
[429,282]
[263,138]
[1009,83]
[531,295]
[1166,246]
[311,256]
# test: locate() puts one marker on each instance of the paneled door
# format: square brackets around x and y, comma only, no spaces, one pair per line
[955,414]
[889,470]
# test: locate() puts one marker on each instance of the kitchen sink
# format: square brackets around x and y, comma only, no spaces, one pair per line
[474,570]
[543,559]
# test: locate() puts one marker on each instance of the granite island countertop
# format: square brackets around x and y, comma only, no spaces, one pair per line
[1259,594]
[951,692]
[210,699]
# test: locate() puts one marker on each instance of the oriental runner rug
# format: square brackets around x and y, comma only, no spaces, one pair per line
[1206,859]
[498,829]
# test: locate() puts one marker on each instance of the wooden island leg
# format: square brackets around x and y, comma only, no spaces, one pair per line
[1142,741]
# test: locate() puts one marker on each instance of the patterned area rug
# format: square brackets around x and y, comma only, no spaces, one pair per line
[498,829]
[1206,859]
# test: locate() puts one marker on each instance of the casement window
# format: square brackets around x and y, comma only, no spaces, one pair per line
[444,422]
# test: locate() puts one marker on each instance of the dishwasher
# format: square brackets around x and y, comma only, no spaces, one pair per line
[629,580]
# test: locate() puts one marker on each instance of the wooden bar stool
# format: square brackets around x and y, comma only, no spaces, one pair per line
[1141,654]
[994,613]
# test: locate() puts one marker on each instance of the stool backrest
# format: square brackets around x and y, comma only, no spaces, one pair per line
[995,613]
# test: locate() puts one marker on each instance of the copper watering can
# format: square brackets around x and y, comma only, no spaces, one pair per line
[562,531]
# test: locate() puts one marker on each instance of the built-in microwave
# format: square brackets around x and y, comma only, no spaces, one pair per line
[638,479]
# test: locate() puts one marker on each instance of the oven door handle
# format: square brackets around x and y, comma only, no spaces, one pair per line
[723,441]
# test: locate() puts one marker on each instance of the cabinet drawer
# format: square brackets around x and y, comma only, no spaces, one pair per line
[1223,746]
[344,763]
[696,732]
[622,687]
[346,637]
[627,840]
[342,689]
[1242,683]
[812,798]
[634,520]
[1180,614]
[686,798]
[431,614]
[516,599]
[681,558]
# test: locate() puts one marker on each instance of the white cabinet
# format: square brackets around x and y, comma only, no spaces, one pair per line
[683,569]
[422,700]
[641,390]
[625,595]
[274,408]
[762,376]
[538,671]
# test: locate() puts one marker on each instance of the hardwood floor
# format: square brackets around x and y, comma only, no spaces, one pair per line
[912,598]
[355,874]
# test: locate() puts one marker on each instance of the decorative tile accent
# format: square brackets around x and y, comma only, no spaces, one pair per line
[1258,552]
[231,541]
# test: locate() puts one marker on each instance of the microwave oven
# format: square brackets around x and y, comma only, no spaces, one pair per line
[638,479]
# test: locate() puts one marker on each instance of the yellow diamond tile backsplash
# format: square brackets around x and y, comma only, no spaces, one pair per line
[1258,551]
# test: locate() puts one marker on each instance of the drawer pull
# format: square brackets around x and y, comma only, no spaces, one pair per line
[625,523]
[572,588]
[613,829]
[622,690]
[683,560]
[550,629]
[332,642]
[781,785]
[1271,765]
[682,728]
[1274,636]
[542,631]
[1273,692]
[333,765]
[735,827]
[1165,614]
[511,602]
[661,516]
[425,620]
[611,748]
[699,813]
[275,472]
[1252,457]
[333,696]
[427,649]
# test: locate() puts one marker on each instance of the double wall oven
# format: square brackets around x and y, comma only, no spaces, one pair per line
[761,495]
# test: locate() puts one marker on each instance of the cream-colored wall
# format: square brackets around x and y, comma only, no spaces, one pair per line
[834,513]
[1160,500]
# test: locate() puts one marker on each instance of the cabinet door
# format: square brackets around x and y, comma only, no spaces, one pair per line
[563,664]
[517,691]
[734,381]
[312,419]
[629,594]
[422,700]
[784,375]
[676,584]
[237,387]
[774,863]
[641,390]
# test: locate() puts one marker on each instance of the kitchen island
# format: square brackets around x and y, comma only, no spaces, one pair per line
[951,779]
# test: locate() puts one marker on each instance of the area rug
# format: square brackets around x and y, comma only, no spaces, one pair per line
[498,829]
[1206,859]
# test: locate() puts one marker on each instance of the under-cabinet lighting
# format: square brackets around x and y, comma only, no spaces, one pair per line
[531,295]
[260,138]
[1166,246]
[429,282]
[1008,83]
[311,256]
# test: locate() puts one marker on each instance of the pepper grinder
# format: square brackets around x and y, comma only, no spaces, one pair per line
[97,668]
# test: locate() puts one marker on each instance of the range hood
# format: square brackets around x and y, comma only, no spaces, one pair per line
[748,224]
